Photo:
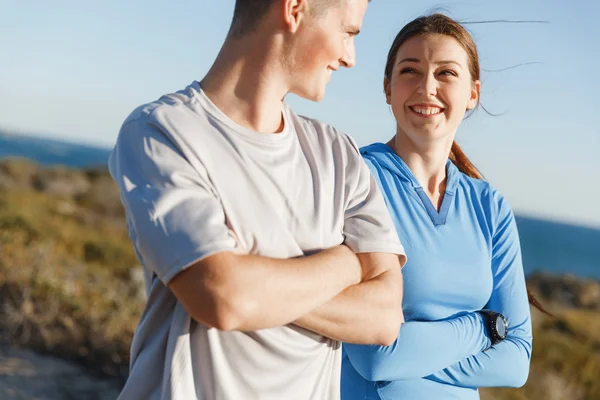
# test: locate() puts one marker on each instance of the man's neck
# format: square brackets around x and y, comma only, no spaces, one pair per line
[246,82]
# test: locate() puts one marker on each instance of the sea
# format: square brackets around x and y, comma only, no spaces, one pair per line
[551,246]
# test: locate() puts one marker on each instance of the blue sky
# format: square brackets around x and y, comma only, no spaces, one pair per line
[75,69]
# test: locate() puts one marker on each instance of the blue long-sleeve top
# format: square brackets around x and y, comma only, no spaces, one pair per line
[461,259]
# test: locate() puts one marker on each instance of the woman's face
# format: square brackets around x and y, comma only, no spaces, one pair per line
[431,88]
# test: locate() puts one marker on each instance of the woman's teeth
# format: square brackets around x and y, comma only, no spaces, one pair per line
[427,110]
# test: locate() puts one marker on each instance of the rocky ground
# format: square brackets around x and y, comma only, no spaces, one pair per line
[26,375]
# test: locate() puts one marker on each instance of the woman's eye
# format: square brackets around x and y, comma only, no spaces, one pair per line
[448,72]
[407,70]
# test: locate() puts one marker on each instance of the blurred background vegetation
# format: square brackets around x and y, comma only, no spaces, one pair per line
[71,287]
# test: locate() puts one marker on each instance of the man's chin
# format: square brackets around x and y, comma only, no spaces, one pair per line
[318,97]
[315,96]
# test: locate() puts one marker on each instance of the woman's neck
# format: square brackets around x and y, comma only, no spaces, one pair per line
[427,163]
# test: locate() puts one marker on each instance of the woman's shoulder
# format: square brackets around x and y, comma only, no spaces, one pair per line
[480,186]
[487,196]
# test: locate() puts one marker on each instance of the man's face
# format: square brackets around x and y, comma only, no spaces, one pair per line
[325,43]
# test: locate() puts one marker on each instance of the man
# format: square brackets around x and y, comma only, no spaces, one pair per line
[263,237]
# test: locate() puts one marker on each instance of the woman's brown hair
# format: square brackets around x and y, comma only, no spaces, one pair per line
[439,24]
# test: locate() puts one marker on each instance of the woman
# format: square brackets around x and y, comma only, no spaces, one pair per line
[459,234]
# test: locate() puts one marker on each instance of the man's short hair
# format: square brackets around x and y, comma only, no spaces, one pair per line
[247,13]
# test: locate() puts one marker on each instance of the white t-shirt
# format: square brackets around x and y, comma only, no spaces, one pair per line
[194,183]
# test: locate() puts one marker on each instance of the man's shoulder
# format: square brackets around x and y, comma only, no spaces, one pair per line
[323,131]
[154,130]
[168,104]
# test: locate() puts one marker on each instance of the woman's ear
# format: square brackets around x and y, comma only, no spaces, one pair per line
[474,99]
[387,90]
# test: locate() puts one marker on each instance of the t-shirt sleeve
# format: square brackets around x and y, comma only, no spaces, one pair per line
[368,226]
[173,213]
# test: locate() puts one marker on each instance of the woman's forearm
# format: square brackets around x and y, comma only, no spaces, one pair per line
[421,349]
[504,365]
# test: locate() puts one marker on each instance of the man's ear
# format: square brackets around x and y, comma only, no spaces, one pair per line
[294,12]
[387,90]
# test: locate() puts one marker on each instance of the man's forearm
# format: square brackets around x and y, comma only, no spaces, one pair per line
[366,313]
[247,292]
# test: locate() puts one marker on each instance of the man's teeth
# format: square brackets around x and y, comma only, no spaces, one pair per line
[427,110]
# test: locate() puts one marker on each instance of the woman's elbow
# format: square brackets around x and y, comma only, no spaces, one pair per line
[373,366]
[520,372]
[383,372]
[519,379]
[365,361]
[371,372]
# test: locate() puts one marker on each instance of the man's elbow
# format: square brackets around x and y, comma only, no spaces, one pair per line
[391,322]
[227,316]
[231,314]
[388,333]
[211,294]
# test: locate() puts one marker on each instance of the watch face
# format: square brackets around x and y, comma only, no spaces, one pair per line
[500,327]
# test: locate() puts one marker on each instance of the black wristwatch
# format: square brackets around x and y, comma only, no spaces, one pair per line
[496,324]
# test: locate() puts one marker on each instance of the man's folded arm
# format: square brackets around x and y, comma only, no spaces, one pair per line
[178,226]
[367,313]
[229,291]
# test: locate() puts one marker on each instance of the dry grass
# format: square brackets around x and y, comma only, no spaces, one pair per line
[566,359]
[65,277]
